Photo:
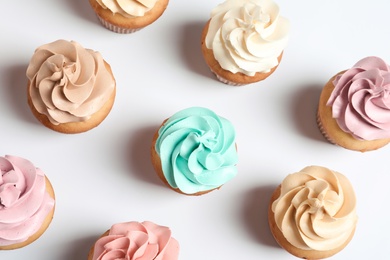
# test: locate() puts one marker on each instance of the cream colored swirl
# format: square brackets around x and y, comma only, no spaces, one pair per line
[128,8]
[247,36]
[68,83]
[316,209]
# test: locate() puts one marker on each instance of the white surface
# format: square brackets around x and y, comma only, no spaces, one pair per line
[105,176]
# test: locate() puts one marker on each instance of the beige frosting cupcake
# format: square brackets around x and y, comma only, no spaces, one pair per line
[128,16]
[354,106]
[27,202]
[244,40]
[312,214]
[70,89]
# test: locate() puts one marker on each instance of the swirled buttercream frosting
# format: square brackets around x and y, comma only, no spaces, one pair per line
[135,240]
[197,150]
[128,8]
[247,36]
[24,202]
[316,209]
[67,82]
[360,100]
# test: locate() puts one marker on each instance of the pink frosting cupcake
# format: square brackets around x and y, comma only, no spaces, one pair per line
[26,202]
[354,107]
[136,240]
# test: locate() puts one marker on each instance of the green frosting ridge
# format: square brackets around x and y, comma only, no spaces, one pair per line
[197,150]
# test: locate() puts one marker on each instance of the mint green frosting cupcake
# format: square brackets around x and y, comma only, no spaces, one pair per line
[197,150]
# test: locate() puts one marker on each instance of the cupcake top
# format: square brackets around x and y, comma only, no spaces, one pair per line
[128,8]
[135,240]
[360,100]
[67,82]
[197,150]
[247,36]
[24,202]
[316,209]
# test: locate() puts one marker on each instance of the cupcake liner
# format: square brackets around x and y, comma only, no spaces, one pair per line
[322,130]
[115,28]
[223,80]
[228,82]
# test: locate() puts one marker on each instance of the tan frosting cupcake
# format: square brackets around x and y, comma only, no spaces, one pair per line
[70,89]
[243,42]
[27,202]
[312,214]
[353,110]
[128,16]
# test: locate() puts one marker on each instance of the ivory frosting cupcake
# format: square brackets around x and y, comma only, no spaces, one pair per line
[244,40]
[194,151]
[128,16]
[354,106]
[70,89]
[135,240]
[312,214]
[26,202]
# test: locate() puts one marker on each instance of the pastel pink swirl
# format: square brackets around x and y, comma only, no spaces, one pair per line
[361,99]
[135,240]
[24,202]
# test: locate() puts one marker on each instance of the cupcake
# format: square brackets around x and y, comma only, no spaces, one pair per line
[70,89]
[26,202]
[244,40]
[194,151]
[135,240]
[312,214]
[354,106]
[128,16]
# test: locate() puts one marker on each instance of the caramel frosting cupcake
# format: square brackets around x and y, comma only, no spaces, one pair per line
[136,240]
[244,40]
[26,202]
[128,16]
[70,89]
[194,151]
[354,106]
[312,214]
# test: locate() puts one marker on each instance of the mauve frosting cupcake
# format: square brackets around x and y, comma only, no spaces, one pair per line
[354,106]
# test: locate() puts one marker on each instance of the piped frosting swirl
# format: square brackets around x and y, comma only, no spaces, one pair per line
[68,83]
[316,209]
[247,36]
[24,202]
[197,150]
[128,8]
[135,240]
[360,100]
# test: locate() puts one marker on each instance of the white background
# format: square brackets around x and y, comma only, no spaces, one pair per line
[104,176]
